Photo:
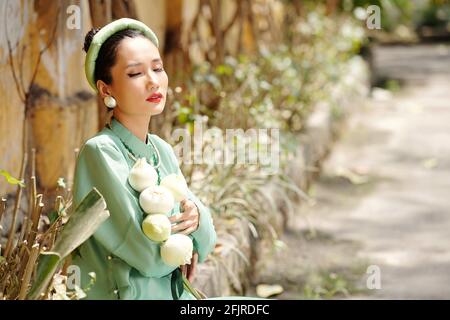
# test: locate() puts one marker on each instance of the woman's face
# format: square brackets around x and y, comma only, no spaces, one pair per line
[139,82]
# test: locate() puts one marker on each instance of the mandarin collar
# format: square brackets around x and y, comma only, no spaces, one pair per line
[135,145]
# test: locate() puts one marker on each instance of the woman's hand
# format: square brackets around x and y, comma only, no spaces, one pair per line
[187,220]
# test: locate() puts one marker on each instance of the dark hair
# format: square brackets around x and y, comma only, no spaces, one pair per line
[107,55]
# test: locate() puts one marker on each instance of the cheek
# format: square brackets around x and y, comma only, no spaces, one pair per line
[128,90]
[164,80]
[132,87]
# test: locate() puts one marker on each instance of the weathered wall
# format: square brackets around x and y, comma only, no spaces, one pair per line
[59,113]
[11,108]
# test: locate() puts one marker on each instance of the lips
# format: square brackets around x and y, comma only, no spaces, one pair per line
[156,97]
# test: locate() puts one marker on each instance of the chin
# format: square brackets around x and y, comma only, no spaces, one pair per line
[157,110]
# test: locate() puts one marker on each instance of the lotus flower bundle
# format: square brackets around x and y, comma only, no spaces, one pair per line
[157,201]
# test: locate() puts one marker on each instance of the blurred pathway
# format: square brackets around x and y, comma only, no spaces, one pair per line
[384,195]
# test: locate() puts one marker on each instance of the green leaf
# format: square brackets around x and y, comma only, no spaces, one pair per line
[184,115]
[10,179]
[52,216]
[176,284]
[192,99]
[47,265]
[88,216]
[82,224]
[224,69]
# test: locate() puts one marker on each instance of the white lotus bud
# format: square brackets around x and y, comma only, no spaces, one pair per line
[157,227]
[177,185]
[177,250]
[156,199]
[142,175]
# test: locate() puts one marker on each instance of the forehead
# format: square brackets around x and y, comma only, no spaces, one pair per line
[138,49]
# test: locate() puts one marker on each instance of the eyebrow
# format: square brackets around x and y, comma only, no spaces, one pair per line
[139,63]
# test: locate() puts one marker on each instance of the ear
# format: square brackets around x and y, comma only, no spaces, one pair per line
[103,89]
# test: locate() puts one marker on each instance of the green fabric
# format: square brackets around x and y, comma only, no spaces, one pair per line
[127,264]
[103,34]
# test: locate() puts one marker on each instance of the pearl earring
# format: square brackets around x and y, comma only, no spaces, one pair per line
[110,102]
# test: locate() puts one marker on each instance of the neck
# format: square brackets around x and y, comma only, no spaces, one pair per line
[137,124]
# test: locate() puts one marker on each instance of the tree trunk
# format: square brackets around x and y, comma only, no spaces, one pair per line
[124,9]
[332,6]
[101,14]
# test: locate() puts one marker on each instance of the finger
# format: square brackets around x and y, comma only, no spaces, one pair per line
[193,227]
[189,271]
[189,214]
[181,226]
[190,274]
[185,214]
[192,267]
[188,204]
[187,231]
[178,217]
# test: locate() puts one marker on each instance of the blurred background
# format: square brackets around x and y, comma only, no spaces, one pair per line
[358,90]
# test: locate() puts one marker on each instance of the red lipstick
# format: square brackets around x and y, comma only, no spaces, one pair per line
[155,98]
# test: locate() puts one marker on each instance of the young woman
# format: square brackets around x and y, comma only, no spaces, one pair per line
[124,66]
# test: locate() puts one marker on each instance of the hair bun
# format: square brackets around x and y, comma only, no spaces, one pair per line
[88,39]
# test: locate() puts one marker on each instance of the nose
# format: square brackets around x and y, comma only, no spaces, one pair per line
[152,80]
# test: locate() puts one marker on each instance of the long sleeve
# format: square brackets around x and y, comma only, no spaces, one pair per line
[102,165]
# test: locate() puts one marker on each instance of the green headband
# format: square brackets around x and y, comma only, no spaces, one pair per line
[103,34]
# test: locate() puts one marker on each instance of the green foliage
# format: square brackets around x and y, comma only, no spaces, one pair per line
[279,86]
[18,268]
[392,85]
[328,285]
[276,88]
[10,179]
[434,14]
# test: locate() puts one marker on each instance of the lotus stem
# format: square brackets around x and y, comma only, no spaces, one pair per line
[190,288]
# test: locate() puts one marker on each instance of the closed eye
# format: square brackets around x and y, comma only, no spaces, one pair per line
[131,75]
[158,70]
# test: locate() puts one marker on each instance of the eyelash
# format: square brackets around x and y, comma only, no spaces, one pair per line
[132,75]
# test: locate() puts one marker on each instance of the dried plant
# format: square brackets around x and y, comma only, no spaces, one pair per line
[34,254]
